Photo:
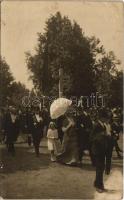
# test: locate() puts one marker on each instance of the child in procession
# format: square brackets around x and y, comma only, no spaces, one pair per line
[52,135]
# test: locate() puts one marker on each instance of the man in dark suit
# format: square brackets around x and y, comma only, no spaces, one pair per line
[101,148]
[84,127]
[35,127]
[11,129]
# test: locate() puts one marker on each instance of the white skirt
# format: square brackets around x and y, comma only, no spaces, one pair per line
[51,144]
[54,144]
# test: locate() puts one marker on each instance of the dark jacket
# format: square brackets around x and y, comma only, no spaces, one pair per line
[24,122]
[11,129]
[115,130]
[98,139]
[84,128]
[84,120]
[35,127]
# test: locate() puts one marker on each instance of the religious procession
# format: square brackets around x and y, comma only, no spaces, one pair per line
[71,132]
[61,100]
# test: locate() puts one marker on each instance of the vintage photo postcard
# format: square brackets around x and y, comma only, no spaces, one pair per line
[61,99]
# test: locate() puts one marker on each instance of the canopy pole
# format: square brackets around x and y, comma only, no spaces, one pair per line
[60,82]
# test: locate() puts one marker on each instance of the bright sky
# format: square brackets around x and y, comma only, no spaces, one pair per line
[21,20]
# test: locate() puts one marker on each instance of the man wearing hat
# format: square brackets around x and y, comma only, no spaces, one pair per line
[35,127]
[101,148]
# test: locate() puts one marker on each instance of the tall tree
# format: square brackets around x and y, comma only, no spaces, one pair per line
[62,45]
[18,92]
[105,68]
[84,60]
[116,94]
[6,79]
[11,92]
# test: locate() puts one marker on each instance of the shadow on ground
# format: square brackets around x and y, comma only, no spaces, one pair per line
[23,160]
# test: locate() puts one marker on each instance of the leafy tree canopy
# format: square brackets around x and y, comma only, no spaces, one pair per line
[11,92]
[86,65]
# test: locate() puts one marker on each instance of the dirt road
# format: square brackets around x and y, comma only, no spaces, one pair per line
[25,176]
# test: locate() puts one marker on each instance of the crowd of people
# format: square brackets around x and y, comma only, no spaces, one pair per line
[78,132]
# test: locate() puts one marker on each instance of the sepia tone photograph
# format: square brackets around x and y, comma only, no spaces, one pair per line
[61,99]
